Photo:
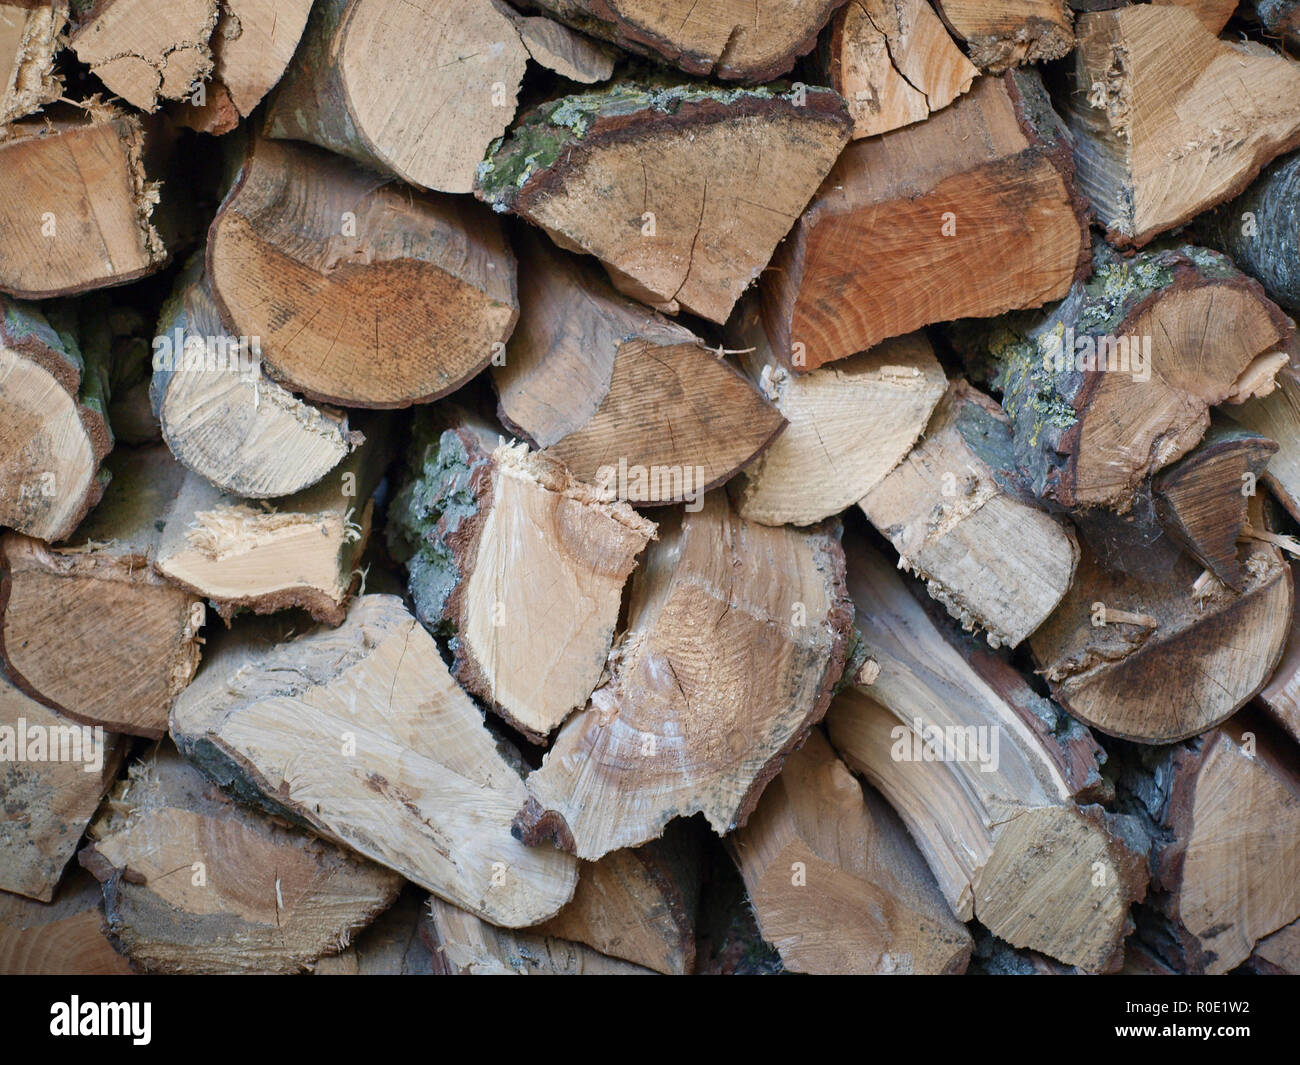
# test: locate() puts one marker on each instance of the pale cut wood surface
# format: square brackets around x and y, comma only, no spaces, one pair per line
[77,240]
[1002,33]
[228,421]
[424,790]
[28,42]
[849,424]
[467,946]
[686,724]
[47,802]
[837,885]
[301,551]
[1001,831]
[145,51]
[1169,120]
[993,558]
[194,883]
[894,62]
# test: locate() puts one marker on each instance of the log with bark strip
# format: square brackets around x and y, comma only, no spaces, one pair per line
[658,182]
[456,67]
[962,521]
[1169,120]
[194,883]
[360,291]
[992,781]
[927,224]
[54,602]
[1223,812]
[81,202]
[1116,381]
[521,564]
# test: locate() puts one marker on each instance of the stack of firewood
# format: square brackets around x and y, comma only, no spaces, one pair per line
[613,486]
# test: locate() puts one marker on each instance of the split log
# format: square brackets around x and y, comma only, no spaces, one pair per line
[1116,381]
[687,724]
[1281,695]
[658,182]
[29,37]
[143,51]
[72,617]
[467,946]
[223,417]
[361,292]
[849,424]
[986,774]
[65,937]
[602,383]
[1276,416]
[79,202]
[1260,230]
[894,63]
[194,883]
[1169,120]
[727,40]
[1224,813]
[927,224]
[302,551]
[638,904]
[396,943]
[1002,35]
[361,734]
[459,65]
[960,520]
[837,884]
[520,564]
[1201,499]
[53,773]
[251,47]
[53,433]
[1156,660]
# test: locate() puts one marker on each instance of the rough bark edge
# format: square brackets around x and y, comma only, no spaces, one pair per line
[268,360]
[1234,607]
